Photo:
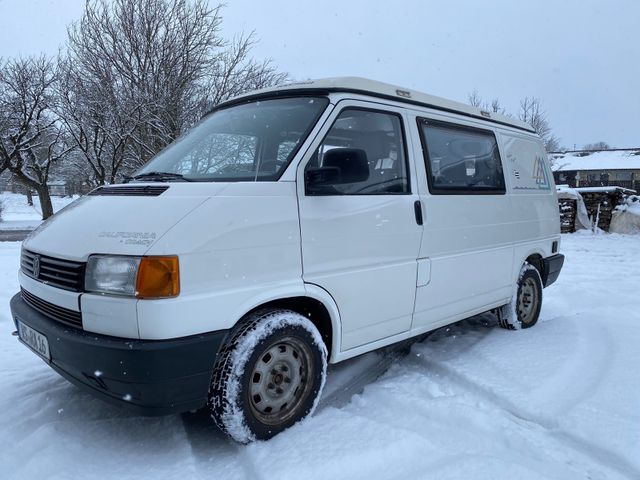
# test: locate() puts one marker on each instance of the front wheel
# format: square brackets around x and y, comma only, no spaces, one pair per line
[524,309]
[268,375]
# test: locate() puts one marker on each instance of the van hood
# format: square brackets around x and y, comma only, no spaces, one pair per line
[124,224]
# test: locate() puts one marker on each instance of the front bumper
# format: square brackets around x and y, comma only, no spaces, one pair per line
[150,377]
[551,268]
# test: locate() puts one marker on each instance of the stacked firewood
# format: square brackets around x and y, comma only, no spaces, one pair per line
[567,208]
[600,206]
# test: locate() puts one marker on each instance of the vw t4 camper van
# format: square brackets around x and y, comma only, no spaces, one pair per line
[291,228]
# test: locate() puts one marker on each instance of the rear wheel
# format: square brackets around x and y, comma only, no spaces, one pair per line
[268,376]
[524,309]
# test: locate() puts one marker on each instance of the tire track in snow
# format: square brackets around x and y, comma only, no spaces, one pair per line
[206,441]
[586,369]
[604,456]
[395,352]
[357,383]
[202,439]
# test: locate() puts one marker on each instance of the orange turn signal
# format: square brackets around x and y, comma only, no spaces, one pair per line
[158,277]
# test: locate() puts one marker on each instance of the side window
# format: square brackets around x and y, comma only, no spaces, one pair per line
[461,160]
[284,150]
[362,154]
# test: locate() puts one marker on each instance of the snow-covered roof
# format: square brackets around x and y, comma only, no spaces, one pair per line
[371,87]
[565,191]
[611,189]
[604,160]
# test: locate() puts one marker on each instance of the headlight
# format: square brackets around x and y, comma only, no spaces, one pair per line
[111,274]
[142,277]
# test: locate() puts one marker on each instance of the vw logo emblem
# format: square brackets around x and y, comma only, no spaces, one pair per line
[36,266]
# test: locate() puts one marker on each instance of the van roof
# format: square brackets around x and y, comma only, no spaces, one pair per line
[373,88]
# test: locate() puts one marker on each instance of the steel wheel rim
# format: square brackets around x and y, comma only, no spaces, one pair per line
[528,300]
[280,380]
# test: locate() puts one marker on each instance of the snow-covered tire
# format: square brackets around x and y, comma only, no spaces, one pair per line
[524,309]
[268,375]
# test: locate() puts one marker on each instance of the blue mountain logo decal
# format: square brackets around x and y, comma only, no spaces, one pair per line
[540,174]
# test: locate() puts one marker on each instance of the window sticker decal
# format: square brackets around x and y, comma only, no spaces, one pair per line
[540,174]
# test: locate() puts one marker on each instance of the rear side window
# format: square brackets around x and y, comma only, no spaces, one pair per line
[461,160]
[366,149]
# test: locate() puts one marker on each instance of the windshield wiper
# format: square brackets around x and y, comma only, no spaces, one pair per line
[161,177]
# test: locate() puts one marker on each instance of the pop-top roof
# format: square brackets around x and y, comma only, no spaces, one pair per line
[379,89]
[628,159]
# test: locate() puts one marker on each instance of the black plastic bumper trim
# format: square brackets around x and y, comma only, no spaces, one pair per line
[551,269]
[149,377]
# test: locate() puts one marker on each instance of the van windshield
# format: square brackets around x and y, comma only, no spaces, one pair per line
[249,142]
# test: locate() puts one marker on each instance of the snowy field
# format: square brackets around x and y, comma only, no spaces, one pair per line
[472,401]
[18,215]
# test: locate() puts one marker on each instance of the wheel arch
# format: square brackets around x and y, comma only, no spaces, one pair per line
[533,256]
[315,304]
[535,259]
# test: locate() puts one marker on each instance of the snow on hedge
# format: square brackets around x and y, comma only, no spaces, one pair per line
[626,217]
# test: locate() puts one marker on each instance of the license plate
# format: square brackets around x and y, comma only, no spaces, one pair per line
[34,340]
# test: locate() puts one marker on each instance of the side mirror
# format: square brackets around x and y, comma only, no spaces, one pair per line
[322,176]
[339,166]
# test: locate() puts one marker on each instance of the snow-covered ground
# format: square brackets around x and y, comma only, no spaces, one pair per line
[18,215]
[472,401]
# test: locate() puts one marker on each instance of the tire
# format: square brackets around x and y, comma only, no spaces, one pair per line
[524,309]
[268,375]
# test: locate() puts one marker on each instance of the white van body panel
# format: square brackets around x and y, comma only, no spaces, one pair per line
[242,250]
[362,249]
[113,224]
[534,200]
[321,295]
[347,253]
[115,316]
[464,236]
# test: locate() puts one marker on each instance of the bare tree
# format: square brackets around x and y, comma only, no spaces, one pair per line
[32,140]
[99,123]
[532,113]
[496,107]
[140,72]
[552,144]
[234,72]
[475,100]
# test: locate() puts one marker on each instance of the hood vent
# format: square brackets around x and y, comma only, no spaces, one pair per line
[130,190]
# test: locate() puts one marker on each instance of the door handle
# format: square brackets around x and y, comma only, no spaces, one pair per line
[417,208]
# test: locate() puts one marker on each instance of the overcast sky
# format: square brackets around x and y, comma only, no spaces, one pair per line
[582,58]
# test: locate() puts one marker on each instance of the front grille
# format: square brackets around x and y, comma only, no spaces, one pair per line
[131,190]
[56,272]
[60,314]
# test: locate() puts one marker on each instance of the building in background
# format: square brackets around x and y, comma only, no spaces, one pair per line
[587,168]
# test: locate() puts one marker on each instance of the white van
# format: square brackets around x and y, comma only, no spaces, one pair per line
[292,227]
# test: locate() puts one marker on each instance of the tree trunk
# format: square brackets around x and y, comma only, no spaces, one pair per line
[29,197]
[45,201]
